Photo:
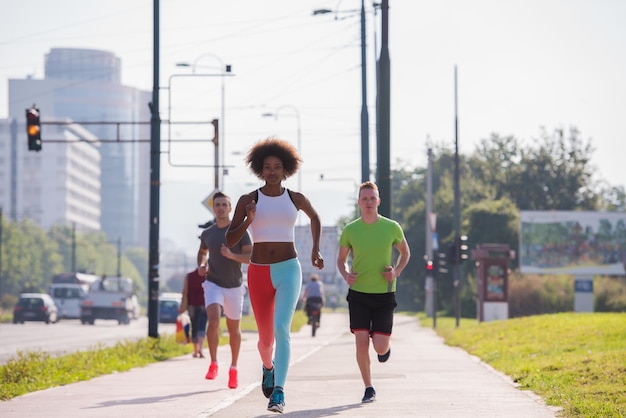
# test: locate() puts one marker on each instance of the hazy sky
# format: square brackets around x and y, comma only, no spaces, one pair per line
[522,65]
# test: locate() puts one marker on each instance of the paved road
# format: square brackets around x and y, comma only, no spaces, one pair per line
[423,378]
[69,335]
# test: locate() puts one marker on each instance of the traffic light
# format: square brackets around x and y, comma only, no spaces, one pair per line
[429,266]
[442,262]
[462,249]
[33,129]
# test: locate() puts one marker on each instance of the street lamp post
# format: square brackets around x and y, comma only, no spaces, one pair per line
[365,134]
[299,137]
[224,69]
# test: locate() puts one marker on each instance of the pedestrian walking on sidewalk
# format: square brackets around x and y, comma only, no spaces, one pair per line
[371,240]
[223,287]
[193,303]
[274,274]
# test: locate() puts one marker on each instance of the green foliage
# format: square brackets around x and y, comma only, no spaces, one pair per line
[500,178]
[555,173]
[31,256]
[572,360]
[32,371]
[610,294]
[535,295]
[494,221]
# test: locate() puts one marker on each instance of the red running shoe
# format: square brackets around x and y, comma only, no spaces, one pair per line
[212,373]
[232,378]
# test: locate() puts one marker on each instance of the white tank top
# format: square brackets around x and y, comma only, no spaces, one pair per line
[275,218]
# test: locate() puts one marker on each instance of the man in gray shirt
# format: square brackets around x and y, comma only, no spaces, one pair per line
[223,287]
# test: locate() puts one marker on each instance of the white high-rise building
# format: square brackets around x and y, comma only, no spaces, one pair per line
[58,187]
[84,85]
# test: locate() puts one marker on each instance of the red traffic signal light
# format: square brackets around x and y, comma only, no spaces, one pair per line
[429,265]
[33,129]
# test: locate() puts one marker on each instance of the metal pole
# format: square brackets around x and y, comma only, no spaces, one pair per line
[119,257]
[155,183]
[216,142]
[457,206]
[429,235]
[383,172]
[223,69]
[13,186]
[365,133]
[1,281]
[74,247]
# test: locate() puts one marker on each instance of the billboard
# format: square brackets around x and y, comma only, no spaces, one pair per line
[579,243]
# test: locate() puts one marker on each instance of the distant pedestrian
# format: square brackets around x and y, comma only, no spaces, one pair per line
[193,303]
[370,240]
[223,288]
[274,274]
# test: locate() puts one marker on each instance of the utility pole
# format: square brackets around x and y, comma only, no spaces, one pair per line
[73,260]
[1,280]
[365,131]
[429,229]
[119,257]
[457,206]
[155,183]
[383,171]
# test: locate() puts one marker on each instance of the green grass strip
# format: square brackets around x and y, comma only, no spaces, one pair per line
[573,360]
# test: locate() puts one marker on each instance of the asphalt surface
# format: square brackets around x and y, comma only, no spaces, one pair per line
[423,378]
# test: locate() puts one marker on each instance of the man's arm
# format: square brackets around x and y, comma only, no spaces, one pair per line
[202,259]
[403,257]
[342,265]
[183,302]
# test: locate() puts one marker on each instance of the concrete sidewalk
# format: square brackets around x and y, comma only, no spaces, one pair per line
[423,378]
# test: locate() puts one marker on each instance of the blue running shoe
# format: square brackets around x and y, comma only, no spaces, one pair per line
[267,383]
[277,400]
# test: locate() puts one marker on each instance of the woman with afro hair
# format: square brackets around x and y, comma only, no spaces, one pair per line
[274,273]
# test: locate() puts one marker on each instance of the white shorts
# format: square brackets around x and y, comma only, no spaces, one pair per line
[230,299]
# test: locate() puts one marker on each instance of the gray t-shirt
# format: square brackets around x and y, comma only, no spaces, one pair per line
[223,271]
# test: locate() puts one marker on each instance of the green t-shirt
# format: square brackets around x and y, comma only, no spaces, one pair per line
[372,250]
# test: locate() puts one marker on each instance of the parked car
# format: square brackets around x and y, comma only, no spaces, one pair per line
[35,307]
[168,307]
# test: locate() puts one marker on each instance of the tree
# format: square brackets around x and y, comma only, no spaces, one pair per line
[556,175]
[495,222]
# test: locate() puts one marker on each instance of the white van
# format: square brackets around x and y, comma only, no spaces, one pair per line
[68,298]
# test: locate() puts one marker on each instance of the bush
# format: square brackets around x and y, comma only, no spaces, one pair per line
[610,294]
[536,295]
[8,302]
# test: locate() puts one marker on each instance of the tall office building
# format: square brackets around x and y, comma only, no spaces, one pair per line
[84,85]
[58,187]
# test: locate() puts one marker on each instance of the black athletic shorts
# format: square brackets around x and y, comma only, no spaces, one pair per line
[371,312]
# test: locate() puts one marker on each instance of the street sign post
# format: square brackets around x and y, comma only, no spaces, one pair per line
[208,201]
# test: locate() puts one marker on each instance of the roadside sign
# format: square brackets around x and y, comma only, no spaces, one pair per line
[208,202]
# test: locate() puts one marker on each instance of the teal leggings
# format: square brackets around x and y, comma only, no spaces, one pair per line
[274,292]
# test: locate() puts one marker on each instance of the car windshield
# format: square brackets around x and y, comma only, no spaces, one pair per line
[31,302]
[66,293]
[169,304]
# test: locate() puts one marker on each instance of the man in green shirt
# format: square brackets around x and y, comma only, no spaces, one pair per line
[370,240]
